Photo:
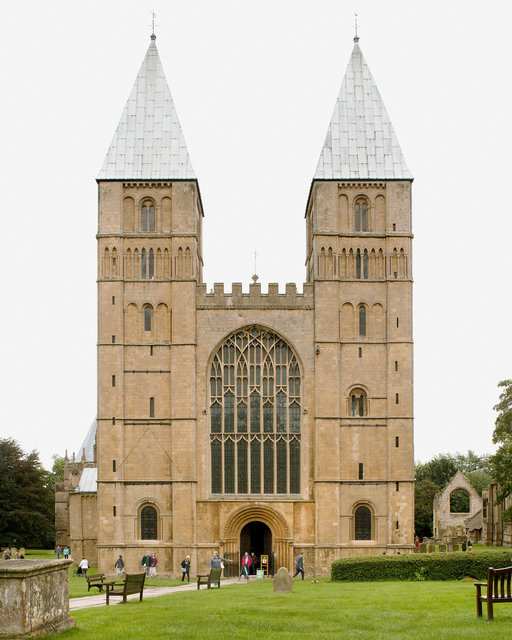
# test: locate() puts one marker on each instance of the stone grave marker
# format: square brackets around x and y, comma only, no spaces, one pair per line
[283,582]
[423,548]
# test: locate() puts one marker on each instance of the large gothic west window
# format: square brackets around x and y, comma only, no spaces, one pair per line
[255,415]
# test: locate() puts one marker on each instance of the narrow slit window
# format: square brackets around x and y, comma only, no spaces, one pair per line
[358,264]
[113,381]
[113,339]
[151,350]
[394,226]
[114,511]
[113,299]
[396,365]
[397,486]
[398,322]
[151,407]
[362,321]
[397,399]
[113,421]
[147,318]
[114,466]
[397,441]
[361,471]
[360,352]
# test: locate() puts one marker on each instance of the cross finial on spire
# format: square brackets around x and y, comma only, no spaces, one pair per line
[356,37]
[153,16]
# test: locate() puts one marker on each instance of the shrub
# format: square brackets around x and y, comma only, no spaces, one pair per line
[420,566]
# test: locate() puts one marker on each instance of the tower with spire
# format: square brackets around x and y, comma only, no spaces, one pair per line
[359,260]
[149,264]
[267,422]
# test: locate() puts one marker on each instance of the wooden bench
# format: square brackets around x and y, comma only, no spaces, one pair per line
[209,578]
[498,590]
[131,583]
[95,580]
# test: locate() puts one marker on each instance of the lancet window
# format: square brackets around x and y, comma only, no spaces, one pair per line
[361,214]
[255,412]
[148,216]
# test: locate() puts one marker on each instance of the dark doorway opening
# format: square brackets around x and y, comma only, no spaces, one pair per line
[256,538]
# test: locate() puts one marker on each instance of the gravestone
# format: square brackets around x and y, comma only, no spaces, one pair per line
[423,548]
[34,597]
[442,548]
[283,582]
[431,548]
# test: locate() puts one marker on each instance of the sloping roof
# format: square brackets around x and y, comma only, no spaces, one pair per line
[87,446]
[148,143]
[360,142]
[88,481]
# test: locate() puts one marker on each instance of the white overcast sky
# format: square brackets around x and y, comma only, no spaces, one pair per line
[254,84]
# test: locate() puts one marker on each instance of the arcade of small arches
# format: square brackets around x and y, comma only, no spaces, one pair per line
[358,214]
[147,215]
[147,323]
[139,263]
[362,264]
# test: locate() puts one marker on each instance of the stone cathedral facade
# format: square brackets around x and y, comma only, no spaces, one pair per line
[268,422]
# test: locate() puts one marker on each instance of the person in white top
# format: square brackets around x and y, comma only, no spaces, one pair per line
[84,565]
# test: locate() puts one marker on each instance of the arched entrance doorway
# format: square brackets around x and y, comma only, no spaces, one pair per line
[258,526]
[256,538]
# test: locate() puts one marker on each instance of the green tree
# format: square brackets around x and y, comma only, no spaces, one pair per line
[501,461]
[27,504]
[423,500]
[57,472]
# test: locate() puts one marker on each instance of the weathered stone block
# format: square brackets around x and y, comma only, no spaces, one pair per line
[34,597]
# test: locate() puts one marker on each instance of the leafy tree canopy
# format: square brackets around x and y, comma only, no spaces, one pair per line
[57,472]
[501,461]
[27,505]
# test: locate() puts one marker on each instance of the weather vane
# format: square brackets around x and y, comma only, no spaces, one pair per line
[153,16]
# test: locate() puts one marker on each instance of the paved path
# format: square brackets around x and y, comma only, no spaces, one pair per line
[149,592]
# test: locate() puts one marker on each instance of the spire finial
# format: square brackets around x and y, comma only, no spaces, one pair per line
[356,37]
[153,16]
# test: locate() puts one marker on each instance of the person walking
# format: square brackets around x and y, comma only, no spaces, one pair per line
[246,564]
[65,552]
[299,566]
[146,563]
[58,551]
[153,562]
[217,562]
[254,564]
[185,569]
[119,566]
[84,566]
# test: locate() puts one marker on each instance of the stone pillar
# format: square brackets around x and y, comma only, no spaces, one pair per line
[34,597]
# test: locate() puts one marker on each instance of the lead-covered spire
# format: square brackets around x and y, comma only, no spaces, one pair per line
[360,141]
[148,143]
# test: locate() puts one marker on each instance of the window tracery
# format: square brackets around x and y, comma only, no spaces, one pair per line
[255,415]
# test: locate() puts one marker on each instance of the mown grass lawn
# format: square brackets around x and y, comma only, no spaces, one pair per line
[387,610]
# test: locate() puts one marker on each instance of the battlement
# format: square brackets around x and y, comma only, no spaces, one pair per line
[219,299]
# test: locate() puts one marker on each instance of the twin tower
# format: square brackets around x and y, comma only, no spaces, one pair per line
[267,422]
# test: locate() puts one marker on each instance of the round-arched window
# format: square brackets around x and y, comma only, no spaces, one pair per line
[148,523]
[363,523]
[255,415]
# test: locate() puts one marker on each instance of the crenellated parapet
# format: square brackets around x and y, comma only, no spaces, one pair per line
[255,299]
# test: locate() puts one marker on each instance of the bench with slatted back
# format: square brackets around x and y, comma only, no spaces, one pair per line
[498,590]
[95,580]
[209,578]
[132,583]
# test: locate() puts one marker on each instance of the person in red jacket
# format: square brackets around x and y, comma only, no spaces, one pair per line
[246,563]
